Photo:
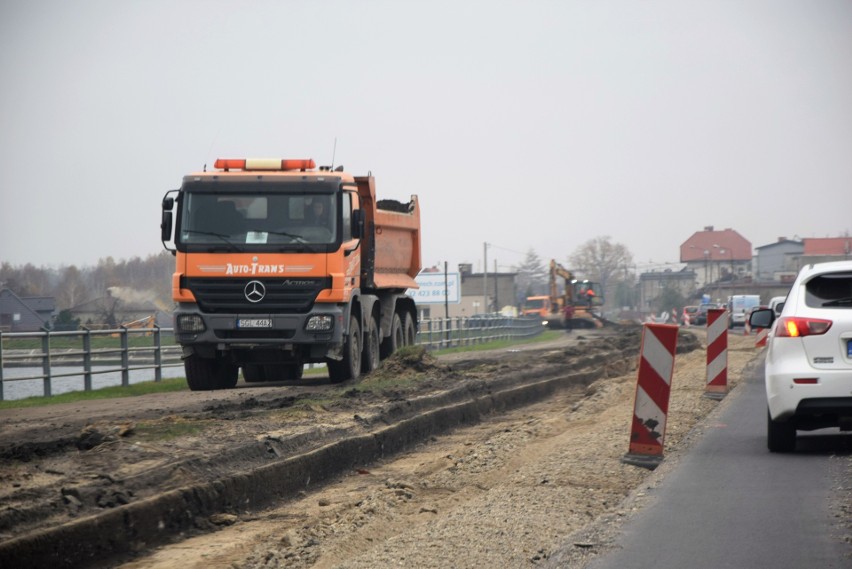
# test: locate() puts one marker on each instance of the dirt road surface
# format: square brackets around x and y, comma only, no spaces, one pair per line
[508,488]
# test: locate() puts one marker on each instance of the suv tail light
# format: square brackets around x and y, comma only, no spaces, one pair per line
[797,327]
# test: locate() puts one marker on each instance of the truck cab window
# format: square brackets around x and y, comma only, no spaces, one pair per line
[346,210]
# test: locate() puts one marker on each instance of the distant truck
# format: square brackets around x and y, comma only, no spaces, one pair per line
[279,264]
[538,305]
[739,306]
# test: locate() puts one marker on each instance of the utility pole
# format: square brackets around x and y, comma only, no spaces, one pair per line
[485,277]
[446,293]
[496,282]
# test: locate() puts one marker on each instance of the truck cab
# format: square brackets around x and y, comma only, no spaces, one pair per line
[279,264]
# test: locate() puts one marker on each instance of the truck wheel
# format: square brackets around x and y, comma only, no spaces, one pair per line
[254,372]
[780,436]
[292,371]
[409,334]
[229,375]
[396,340]
[205,374]
[370,357]
[350,366]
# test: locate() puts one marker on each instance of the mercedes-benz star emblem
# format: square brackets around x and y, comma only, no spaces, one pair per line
[254,291]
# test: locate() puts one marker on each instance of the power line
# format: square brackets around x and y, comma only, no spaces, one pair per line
[505,249]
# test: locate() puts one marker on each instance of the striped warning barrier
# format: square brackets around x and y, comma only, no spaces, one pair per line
[653,387]
[717,354]
[760,339]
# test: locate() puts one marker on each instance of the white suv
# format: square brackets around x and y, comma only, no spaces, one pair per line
[809,355]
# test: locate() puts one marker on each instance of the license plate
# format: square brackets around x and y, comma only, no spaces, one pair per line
[254,323]
[849,348]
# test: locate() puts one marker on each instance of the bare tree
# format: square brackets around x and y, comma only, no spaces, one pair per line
[27,280]
[601,260]
[72,289]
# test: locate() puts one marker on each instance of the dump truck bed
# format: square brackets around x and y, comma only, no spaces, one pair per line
[391,255]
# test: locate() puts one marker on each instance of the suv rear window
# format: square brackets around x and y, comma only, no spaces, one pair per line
[831,290]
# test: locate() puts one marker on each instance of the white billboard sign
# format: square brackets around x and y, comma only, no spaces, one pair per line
[434,290]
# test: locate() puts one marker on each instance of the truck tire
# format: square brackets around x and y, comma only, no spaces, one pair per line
[396,340]
[294,372]
[350,366]
[254,373]
[370,357]
[206,374]
[409,334]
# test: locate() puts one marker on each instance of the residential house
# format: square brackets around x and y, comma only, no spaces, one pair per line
[483,293]
[824,249]
[110,312]
[25,314]
[653,283]
[778,261]
[717,256]
[781,261]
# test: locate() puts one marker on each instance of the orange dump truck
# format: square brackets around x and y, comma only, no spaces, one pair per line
[279,264]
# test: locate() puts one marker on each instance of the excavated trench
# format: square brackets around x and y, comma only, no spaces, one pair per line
[118,487]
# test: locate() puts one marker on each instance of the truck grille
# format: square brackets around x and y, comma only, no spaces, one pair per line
[282,295]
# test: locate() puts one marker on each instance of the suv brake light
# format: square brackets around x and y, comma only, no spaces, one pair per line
[797,327]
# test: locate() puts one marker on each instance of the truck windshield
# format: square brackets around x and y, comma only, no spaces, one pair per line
[242,220]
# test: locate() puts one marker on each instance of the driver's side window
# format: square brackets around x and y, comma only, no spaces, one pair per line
[346,227]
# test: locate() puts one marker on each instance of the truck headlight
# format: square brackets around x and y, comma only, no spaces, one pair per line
[320,323]
[190,324]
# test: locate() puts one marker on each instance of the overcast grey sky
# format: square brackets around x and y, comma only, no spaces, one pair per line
[526,125]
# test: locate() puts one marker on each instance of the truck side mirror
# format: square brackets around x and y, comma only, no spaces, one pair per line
[358,224]
[166,226]
[167,222]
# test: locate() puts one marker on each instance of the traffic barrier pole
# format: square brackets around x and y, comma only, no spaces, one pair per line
[760,339]
[717,354]
[653,387]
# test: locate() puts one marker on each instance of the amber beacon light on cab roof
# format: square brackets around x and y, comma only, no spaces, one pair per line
[280,263]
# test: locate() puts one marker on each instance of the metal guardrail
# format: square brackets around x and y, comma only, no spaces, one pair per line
[110,359]
[434,334]
[442,333]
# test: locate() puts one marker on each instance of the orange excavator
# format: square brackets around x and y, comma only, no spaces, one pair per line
[585,296]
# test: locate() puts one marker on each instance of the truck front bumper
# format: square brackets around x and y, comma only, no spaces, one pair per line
[322,326]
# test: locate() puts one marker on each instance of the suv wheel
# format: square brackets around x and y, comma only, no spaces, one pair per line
[780,435]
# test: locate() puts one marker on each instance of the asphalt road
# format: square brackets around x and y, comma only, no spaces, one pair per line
[729,502]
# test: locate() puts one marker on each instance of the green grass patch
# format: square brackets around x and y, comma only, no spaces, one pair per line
[169,428]
[388,377]
[133,390]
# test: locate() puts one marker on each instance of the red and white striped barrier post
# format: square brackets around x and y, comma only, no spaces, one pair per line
[760,339]
[653,387]
[717,354]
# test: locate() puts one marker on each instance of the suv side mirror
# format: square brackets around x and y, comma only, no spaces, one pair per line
[762,318]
